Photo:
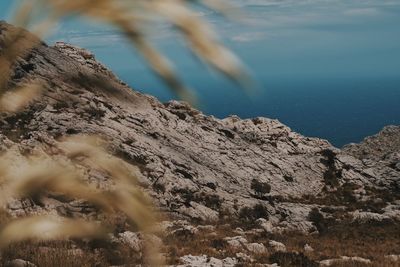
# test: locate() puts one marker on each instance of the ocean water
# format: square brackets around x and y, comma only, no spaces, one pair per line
[329,69]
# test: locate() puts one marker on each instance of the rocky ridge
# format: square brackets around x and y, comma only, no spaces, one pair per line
[240,178]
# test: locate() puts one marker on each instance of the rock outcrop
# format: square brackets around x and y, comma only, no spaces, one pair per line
[198,168]
[377,147]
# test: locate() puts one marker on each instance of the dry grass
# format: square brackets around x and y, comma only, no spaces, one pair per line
[15,44]
[66,254]
[59,170]
[12,101]
[371,241]
[41,173]
[204,243]
[134,18]
[31,176]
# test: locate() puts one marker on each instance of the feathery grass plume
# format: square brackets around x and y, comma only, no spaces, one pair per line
[45,228]
[134,16]
[36,175]
[15,100]
[41,173]
[126,197]
[14,44]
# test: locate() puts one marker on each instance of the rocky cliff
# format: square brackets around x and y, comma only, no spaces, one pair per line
[238,183]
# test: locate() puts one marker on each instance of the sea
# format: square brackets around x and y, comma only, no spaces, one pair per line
[325,68]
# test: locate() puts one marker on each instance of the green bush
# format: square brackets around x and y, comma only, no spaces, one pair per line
[260,188]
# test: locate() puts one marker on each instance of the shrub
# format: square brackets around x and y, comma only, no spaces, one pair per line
[332,174]
[126,198]
[317,218]
[289,259]
[212,201]
[260,188]
[288,178]
[159,187]
[248,216]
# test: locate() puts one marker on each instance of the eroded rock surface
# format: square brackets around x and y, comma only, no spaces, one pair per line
[196,167]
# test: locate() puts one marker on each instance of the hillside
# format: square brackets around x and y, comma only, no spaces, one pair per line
[227,188]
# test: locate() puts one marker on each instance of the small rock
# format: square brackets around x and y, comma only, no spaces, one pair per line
[256,248]
[207,228]
[19,263]
[132,240]
[277,246]
[200,212]
[242,257]
[393,258]
[366,217]
[205,261]
[344,259]
[260,221]
[187,230]
[265,225]
[236,242]
[308,248]
[239,231]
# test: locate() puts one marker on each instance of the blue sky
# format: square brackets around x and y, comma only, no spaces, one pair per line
[327,68]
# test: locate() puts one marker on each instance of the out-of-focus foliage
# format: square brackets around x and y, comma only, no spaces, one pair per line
[35,175]
[134,18]
[38,174]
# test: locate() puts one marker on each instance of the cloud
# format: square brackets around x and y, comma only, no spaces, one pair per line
[361,12]
[276,4]
[275,17]
[249,37]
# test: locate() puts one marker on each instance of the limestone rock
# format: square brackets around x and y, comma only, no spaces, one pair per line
[393,258]
[131,239]
[265,225]
[277,246]
[368,217]
[19,263]
[308,248]
[344,259]
[256,248]
[198,169]
[236,242]
[205,261]
[195,166]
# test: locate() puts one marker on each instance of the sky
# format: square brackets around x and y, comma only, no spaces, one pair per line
[326,68]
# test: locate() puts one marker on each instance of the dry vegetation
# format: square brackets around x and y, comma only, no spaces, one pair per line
[134,18]
[369,241]
[56,168]
[72,253]
[59,172]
